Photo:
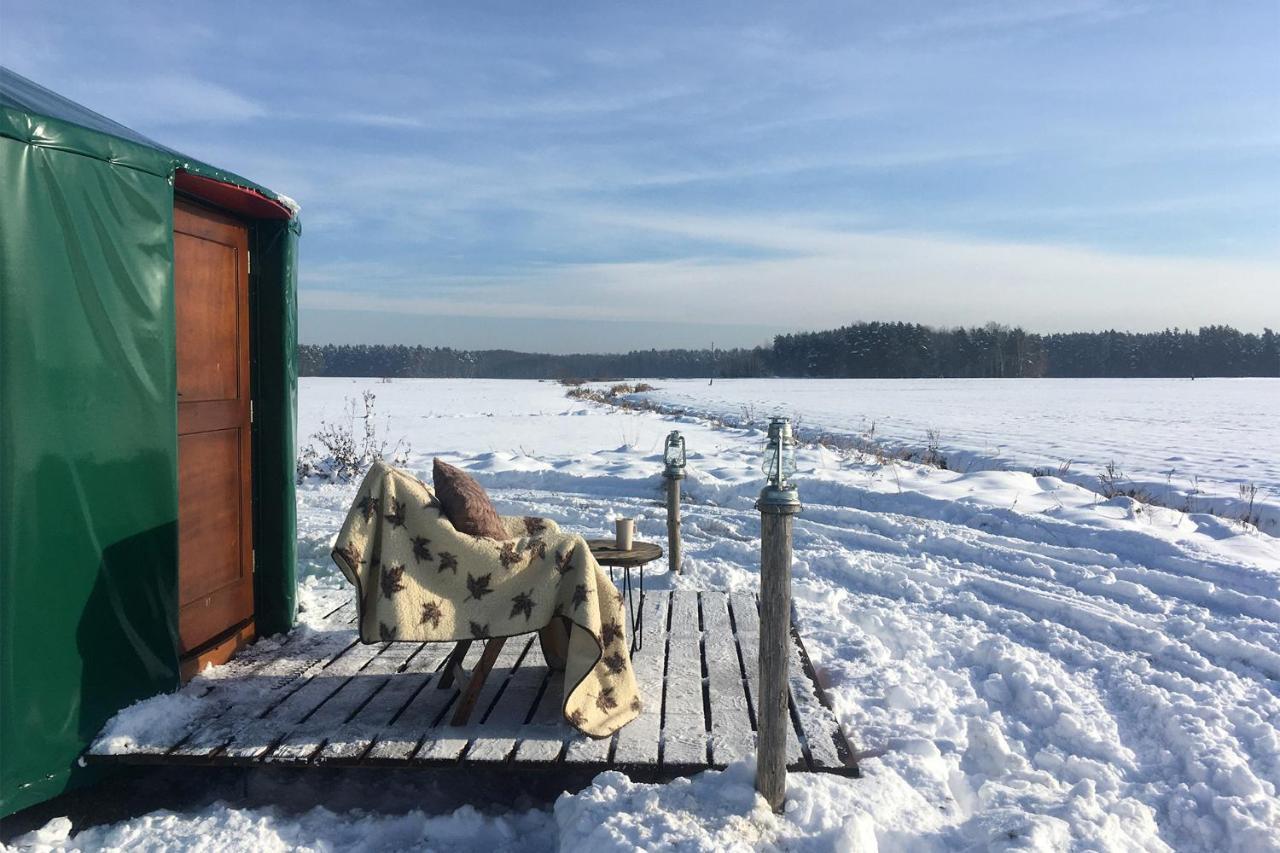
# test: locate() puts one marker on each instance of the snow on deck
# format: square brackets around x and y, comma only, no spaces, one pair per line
[322,698]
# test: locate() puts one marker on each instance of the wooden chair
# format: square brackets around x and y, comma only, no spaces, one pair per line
[469,686]
[555,645]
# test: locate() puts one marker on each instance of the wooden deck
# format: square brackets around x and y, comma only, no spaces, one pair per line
[323,699]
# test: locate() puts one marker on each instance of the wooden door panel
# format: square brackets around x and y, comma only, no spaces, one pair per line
[208,415]
[208,325]
[215,535]
[209,506]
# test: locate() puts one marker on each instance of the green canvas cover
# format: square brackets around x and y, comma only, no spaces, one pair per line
[88,428]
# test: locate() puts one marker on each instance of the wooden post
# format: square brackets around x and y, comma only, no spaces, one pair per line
[775,641]
[673,523]
[779,502]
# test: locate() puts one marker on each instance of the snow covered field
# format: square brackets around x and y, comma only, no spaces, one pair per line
[1187,443]
[1024,664]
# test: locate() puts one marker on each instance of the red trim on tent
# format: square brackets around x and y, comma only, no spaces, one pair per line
[241,200]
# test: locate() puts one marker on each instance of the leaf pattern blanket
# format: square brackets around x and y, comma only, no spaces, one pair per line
[418,578]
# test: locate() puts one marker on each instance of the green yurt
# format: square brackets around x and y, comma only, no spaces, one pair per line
[148,389]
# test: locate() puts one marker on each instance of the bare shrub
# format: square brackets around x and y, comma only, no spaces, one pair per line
[1189,505]
[860,454]
[1248,496]
[1113,480]
[619,389]
[1110,480]
[641,387]
[337,453]
[932,452]
[1060,472]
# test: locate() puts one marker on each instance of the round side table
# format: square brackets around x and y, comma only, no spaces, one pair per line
[607,553]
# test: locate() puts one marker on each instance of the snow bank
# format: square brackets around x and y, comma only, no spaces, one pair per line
[1186,443]
[718,811]
[223,829]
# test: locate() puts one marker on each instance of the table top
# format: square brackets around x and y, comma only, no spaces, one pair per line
[607,554]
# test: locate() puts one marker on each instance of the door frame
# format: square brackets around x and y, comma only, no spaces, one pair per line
[223,645]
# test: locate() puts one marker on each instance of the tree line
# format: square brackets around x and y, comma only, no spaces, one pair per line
[860,350]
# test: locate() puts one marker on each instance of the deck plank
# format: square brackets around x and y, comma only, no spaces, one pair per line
[343,615]
[270,686]
[684,729]
[820,726]
[351,740]
[306,739]
[496,738]
[639,739]
[588,750]
[258,736]
[732,735]
[215,690]
[398,742]
[746,615]
[543,739]
[446,742]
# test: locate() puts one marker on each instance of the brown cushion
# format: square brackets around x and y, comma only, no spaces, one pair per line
[465,503]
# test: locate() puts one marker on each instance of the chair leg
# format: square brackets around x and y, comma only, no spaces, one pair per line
[454,660]
[467,700]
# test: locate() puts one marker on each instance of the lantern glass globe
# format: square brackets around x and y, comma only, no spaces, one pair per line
[779,494]
[674,455]
[788,460]
[770,464]
[780,453]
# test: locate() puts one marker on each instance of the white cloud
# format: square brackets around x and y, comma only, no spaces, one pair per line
[982,17]
[168,100]
[378,120]
[824,278]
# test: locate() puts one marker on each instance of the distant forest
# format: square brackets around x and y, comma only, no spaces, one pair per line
[861,350]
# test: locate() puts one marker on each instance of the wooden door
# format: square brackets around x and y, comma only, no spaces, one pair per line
[215,536]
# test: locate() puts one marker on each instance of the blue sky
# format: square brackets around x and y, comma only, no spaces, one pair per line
[609,176]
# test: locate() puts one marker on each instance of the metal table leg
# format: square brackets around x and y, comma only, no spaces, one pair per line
[635,610]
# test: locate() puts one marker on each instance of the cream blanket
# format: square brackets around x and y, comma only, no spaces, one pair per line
[419,578]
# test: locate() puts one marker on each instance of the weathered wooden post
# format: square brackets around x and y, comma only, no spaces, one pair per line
[778,504]
[673,455]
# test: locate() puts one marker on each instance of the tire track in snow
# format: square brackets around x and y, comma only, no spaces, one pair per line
[1172,703]
[1095,583]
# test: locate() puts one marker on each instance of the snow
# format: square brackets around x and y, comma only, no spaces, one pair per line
[1023,663]
[717,811]
[164,716]
[265,830]
[1187,443]
[291,204]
